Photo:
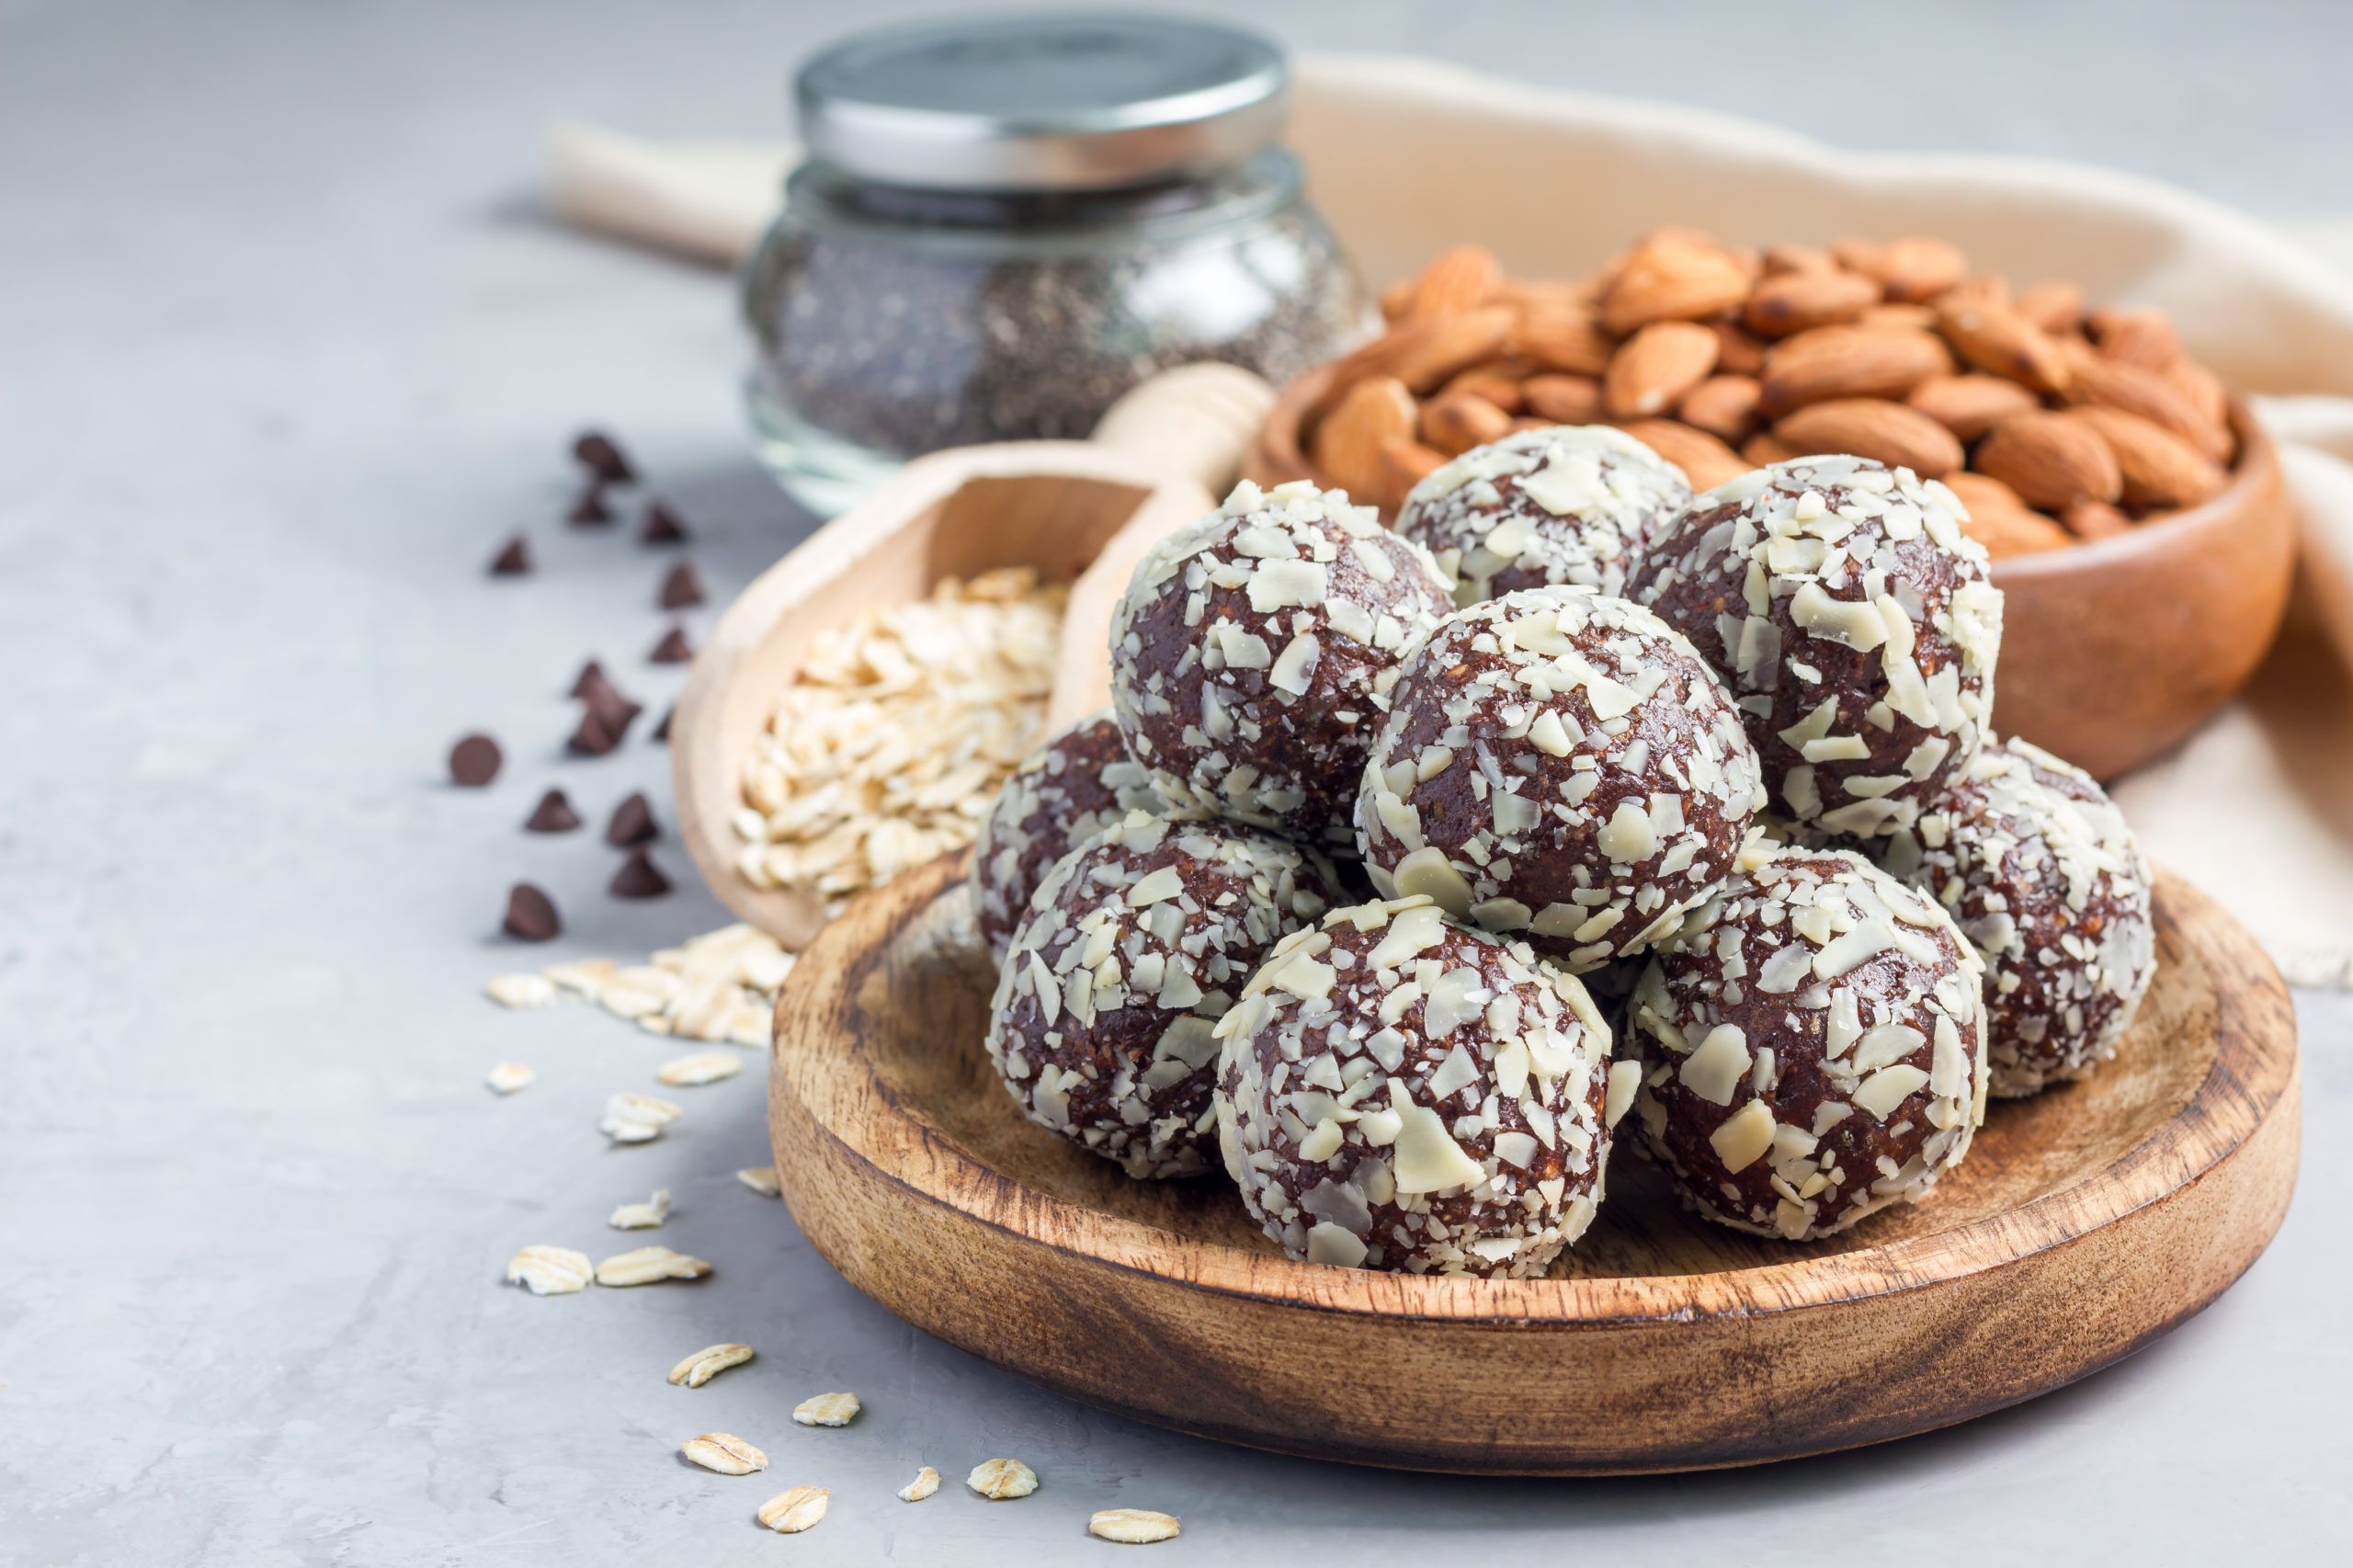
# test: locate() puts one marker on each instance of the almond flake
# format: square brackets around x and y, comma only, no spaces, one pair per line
[525,989]
[826,1410]
[549,1271]
[760,1179]
[647,1266]
[708,1363]
[725,1453]
[790,1513]
[999,1480]
[1135,1526]
[925,1482]
[509,1076]
[702,1067]
[642,1216]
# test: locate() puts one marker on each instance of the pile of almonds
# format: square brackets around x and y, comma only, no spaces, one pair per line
[2052,423]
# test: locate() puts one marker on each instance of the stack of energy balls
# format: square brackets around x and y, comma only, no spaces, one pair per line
[1385,829]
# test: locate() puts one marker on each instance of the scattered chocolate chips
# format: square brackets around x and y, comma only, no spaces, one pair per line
[514,559]
[590,510]
[638,878]
[602,457]
[594,737]
[553,814]
[673,648]
[474,761]
[682,587]
[591,676]
[530,914]
[632,824]
[661,730]
[661,526]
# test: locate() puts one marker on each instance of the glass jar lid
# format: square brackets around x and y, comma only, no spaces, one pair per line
[1042,103]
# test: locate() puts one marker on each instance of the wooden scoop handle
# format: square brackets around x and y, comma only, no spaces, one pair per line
[1194,422]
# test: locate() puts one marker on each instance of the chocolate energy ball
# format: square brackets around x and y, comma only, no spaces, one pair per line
[1811,1046]
[1840,600]
[2045,877]
[1080,782]
[1399,1092]
[1569,504]
[1140,939]
[1560,764]
[1252,645]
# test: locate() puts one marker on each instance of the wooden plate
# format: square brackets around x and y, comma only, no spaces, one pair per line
[2086,1223]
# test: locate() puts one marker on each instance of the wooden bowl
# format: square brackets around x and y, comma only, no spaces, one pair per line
[2086,1223]
[2111,652]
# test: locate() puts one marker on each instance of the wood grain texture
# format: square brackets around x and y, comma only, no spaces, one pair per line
[2086,1223]
[2111,652]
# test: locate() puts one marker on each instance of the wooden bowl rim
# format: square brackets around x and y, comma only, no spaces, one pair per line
[2246,1080]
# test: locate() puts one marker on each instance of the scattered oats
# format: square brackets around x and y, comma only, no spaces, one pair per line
[642,1216]
[725,1453]
[702,1067]
[999,1480]
[549,1271]
[637,1119]
[525,989]
[925,1482]
[1136,1526]
[760,1179]
[708,1363]
[648,1266]
[826,1410]
[509,1076]
[791,1512]
[587,976]
[717,987]
[891,742]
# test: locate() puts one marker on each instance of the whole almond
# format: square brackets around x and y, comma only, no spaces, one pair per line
[1423,354]
[1404,463]
[1653,368]
[1873,427]
[1346,445]
[2098,383]
[1460,279]
[1725,406]
[1909,270]
[1563,400]
[2056,308]
[2160,469]
[2051,459]
[1738,352]
[1562,337]
[2145,338]
[1970,405]
[1705,461]
[1673,276]
[1765,449]
[1995,338]
[2014,531]
[1498,380]
[1796,300]
[1902,318]
[1978,491]
[1395,299]
[2089,521]
[1455,424]
[1849,361]
[2210,402]
[1779,259]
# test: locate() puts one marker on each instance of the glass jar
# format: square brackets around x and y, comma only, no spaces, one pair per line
[1004,226]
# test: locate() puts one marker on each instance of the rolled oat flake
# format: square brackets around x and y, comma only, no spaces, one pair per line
[1005,224]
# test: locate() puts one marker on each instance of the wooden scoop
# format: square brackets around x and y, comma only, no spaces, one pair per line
[1080,512]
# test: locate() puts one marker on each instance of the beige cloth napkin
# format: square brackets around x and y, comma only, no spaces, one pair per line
[1406,156]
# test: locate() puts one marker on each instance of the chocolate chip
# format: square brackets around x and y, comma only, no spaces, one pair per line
[596,736]
[602,457]
[474,761]
[632,824]
[661,730]
[591,676]
[682,587]
[590,510]
[673,648]
[638,878]
[553,814]
[513,560]
[530,914]
[661,526]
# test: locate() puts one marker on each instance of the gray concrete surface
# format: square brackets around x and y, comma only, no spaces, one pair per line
[284,352]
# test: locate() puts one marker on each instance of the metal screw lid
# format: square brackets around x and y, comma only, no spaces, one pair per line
[1042,103]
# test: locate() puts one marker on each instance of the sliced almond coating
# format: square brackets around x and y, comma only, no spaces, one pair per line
[525,989]
[790,1513]
[549,1271]
[999,1480]
[708,1363]
[925,1482]
[725,1453]
[826,1410]
[509,1076]
[702,1067]
[1134,1526]
[642,1216]
[648,1266]
[760,1179]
